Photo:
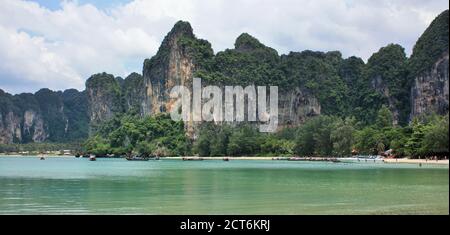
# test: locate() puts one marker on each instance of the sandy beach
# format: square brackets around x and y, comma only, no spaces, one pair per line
[221,158]
[416,161]
[386,160]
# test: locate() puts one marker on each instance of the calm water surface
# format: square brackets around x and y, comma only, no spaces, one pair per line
[117,186]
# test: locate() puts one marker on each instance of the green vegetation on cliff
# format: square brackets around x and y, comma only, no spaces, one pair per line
[106,87]
[133,90]
[431,45]
[44,116]
[319,73]
[342,86]
[76,110]
[114,95]
[387,72]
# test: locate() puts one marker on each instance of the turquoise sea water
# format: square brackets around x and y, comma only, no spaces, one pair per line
[116,186]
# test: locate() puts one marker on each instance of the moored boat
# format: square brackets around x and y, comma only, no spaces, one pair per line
[192,159]
[136,158]
[92,158]
[280,158]
[315,159]
[296,159]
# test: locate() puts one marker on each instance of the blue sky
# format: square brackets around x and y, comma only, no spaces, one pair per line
[59,44]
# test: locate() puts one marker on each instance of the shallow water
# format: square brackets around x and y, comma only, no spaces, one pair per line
[117,186]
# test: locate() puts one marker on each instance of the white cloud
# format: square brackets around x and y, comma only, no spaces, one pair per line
[59,49]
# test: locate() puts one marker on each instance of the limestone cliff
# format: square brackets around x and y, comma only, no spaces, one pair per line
[429,93]
[104,98]
[43,116]
[33,126]
[171,66]
[182,56]
[296,106]
[21,119]
[133,91]
[429,69]
[10,130]
[388,76]
[76,111]
[107,96]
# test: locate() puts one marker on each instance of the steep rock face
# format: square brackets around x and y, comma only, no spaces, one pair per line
[182,56]
[9,128]
[379,85]
[106,96]
[133,91]
[295,106]
[316,75]
[51,107]
[28,110]
[33,126]
[388,76]
[430,92]
[20,119]
[9,122]
[103,97]
[171,66]
[429,68]
[76,111]
[22,129]
[44,116]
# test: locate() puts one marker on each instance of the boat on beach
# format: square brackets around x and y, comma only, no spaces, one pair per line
[192,159]
[313,159]
[297,159]
[279,158]
[363,159]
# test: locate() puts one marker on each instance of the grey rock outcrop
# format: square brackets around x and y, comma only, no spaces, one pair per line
[430,91]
